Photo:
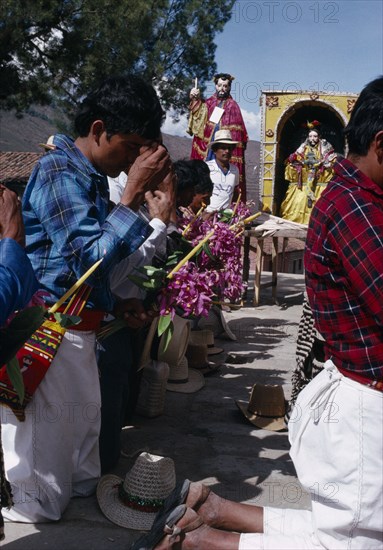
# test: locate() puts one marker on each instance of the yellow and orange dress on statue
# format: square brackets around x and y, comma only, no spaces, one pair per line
[308,170]
[203,131]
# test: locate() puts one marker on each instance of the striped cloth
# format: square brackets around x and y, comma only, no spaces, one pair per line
[309,353]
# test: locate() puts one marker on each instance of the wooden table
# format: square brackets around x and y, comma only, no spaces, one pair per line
[260,236]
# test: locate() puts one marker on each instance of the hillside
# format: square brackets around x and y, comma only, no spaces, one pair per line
[23,134]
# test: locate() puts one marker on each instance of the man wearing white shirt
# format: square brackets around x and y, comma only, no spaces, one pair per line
[224,175]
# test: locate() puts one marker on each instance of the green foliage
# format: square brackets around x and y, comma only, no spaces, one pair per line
[16,333]
[66,320]
[226,216]
[165,321]
[165,329]
[14,375]
[55,51]
[207,250]
[152,278]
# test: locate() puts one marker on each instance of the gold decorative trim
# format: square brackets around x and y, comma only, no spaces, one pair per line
[272,101]
[350,105]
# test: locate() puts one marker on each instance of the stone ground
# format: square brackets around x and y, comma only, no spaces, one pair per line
[204,432]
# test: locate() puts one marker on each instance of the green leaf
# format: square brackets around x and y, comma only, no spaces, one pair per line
[164,322]
[206,248]
[173,259]
[152,284]
[155,272]
[226,215]
[28,319]
[139,281]
[14,374]
[153,277]
[167,335]
[22,326]
[66,320]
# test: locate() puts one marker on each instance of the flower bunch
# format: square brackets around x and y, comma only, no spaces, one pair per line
[222,257]
[189,290]
[241,212]
[211,272]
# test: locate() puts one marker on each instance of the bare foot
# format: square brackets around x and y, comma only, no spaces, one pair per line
[201,499]
[220,513]
[182,530]
[190,533]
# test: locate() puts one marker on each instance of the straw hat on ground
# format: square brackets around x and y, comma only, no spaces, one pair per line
[177,345]
[205,337]
[197,357]
[217,323]
[266,408]
[145,356]
[152,394]
[184,380]
[133,502]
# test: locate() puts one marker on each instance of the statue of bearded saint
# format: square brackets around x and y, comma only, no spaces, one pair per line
[218,112]
[308,170]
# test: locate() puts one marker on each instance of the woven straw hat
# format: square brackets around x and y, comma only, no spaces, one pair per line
[133,502]
[145,356]
[223,137]
[151,397]
[216,322]
[197,357]
[266,408]
[178,344]
[205,337]
[184,380]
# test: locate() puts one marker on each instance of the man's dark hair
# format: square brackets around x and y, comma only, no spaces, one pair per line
[204,183]
[366,118]
[187,176]
[126,105]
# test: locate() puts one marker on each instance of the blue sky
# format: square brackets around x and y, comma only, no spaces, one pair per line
[304,44]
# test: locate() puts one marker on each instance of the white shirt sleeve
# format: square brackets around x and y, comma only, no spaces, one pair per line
[120,284]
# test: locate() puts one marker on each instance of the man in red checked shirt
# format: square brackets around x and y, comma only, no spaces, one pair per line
[338,439]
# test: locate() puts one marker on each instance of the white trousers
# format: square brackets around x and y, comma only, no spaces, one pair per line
[54,455]
[336,438]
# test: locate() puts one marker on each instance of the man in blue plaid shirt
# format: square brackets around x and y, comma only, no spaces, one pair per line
[54,454]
